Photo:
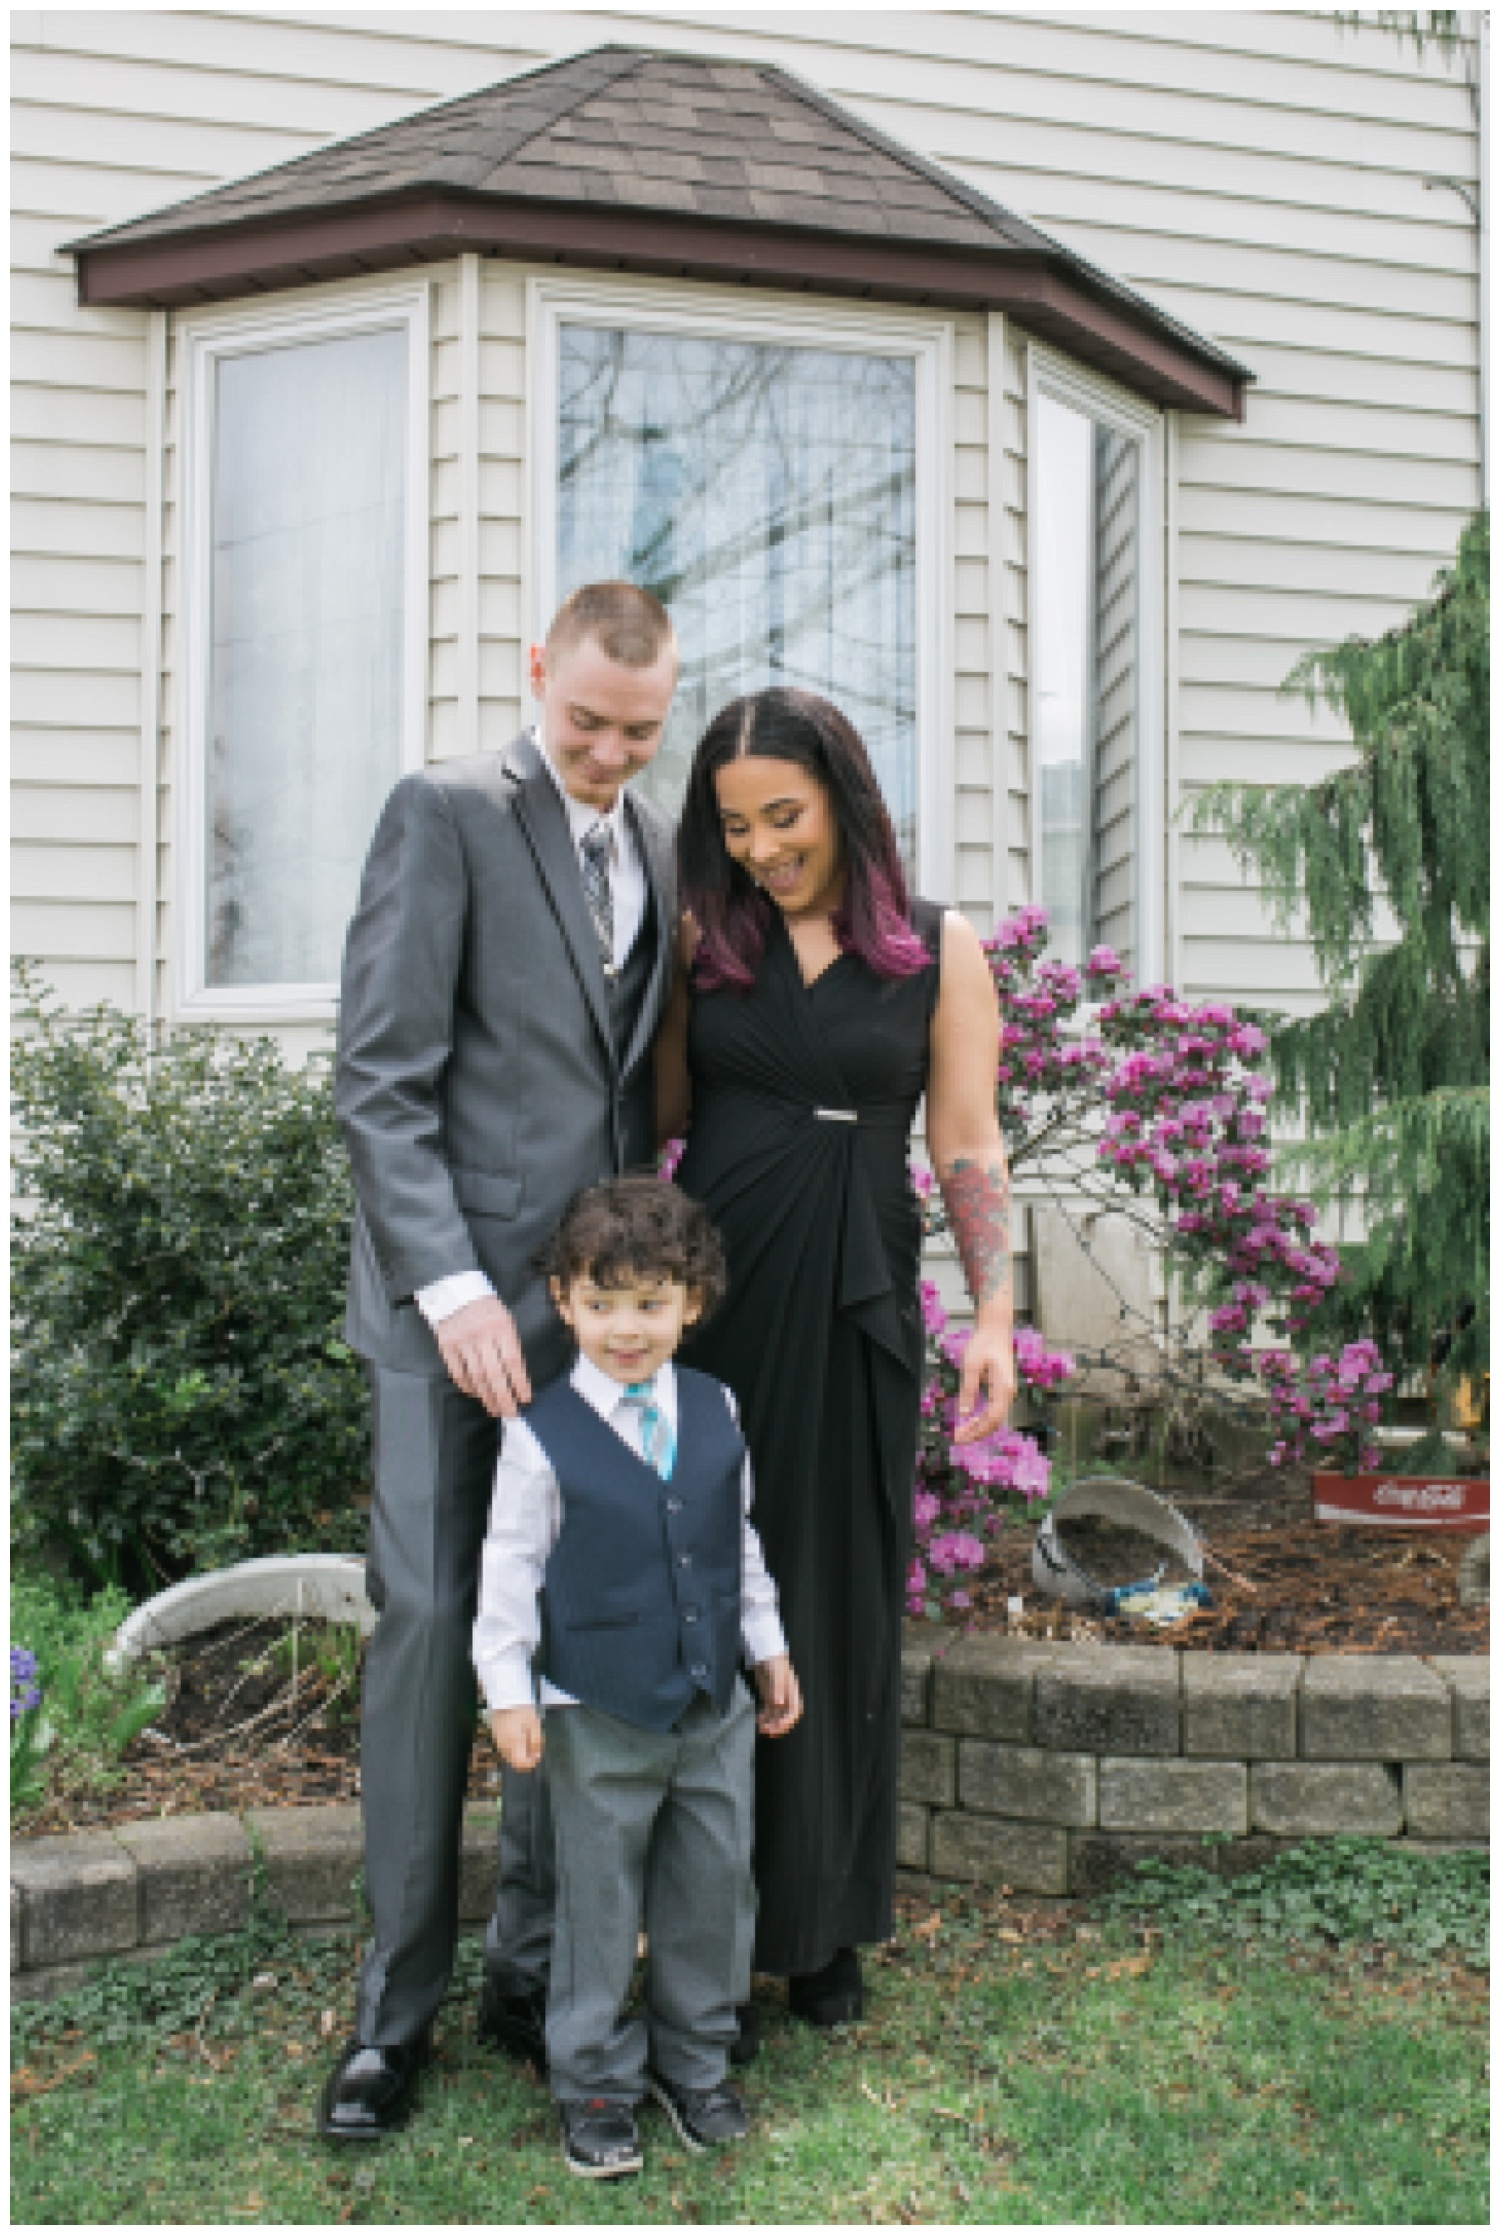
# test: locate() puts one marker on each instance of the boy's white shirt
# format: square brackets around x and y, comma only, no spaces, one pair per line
[525,1516]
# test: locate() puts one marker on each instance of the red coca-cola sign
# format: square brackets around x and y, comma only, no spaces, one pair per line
[1387,1501]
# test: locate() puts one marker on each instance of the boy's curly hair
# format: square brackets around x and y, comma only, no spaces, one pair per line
[640,1228]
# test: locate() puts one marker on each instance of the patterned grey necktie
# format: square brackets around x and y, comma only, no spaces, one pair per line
[593,854]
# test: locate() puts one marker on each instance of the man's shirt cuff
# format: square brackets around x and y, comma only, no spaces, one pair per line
[440,1299]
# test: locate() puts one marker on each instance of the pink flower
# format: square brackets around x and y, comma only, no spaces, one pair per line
[954,1552]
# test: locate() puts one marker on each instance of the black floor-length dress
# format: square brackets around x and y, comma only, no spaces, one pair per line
[803,1101]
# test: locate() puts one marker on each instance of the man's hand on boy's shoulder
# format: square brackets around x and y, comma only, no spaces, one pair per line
[780,1696]
[517,1732]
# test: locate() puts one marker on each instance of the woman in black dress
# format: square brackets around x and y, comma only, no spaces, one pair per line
[815,1006]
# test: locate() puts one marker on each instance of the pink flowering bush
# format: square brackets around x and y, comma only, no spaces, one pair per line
[1150,1105]
[963,1489]
[1326,1409]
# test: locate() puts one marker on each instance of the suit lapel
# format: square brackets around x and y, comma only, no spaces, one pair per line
[654,843]
[543,818]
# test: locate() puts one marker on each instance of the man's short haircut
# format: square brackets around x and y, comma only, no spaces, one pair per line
[636,1229]
[628,624]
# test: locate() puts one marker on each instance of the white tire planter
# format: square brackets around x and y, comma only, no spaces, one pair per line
[312,1586]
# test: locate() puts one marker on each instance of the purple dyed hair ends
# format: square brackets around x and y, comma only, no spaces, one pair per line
[733,917]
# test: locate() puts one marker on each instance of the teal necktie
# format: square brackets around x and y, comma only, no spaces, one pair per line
[658,1444]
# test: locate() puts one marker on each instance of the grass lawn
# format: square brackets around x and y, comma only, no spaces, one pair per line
[1013,2068]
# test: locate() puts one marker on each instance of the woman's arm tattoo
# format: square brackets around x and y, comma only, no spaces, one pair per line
[978,1198]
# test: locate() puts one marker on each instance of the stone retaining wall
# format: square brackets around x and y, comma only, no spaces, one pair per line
[1045,1768]
[1050,1768]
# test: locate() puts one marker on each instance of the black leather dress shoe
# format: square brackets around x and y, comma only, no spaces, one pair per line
[370,2091]
[833,1996]
[516,2023]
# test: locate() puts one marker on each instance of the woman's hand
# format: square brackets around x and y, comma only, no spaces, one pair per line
[517,1732]
[989,1364]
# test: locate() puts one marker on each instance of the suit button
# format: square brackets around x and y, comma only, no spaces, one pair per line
[674,1505]
[684,1559]
[690,1614]
[699,1669]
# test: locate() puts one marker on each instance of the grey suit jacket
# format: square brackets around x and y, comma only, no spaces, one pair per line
[478,1084]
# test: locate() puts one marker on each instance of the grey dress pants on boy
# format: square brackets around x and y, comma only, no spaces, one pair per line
[652,1827]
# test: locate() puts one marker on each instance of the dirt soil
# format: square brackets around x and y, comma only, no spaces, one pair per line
[239,1733]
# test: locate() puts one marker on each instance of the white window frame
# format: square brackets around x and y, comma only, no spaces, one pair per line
[203,342]
[1047,374]
[928,342]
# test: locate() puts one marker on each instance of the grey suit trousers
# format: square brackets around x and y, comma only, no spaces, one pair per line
[652,1826]
[435,1452]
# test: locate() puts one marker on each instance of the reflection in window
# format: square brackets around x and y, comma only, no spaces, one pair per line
[1087,494]
[305,665]
[768,497]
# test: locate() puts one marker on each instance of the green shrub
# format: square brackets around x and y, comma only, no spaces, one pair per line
[180,1393]
[76,1717]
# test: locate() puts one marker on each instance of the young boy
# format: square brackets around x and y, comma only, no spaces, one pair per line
[620,1559]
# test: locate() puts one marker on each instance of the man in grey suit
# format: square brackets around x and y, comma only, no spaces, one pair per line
[506,968]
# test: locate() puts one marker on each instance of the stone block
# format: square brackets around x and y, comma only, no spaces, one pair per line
[80,1897]
[989,1851]
[1173,1796]
[916,1681]
[479,1862]
[194,1874]
[1097,1858]
[1028,1781]
[927,1768]
[1370,1707]
[1109,1699]
[1322,1799]
[1447,1800]
[982,1686]
[1240,1707]
[911,1836]
[313,1859]
[1467,1677]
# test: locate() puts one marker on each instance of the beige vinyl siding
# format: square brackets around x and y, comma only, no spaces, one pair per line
[1260,176]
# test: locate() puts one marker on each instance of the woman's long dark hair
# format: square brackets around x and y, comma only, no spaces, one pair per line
[733,916]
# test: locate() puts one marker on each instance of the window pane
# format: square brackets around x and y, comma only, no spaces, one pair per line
[768,497]
[305,678]
[1087,678]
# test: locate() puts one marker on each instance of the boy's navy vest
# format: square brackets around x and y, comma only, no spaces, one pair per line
[641,1606]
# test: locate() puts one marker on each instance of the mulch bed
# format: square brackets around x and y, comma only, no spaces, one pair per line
[237,1734]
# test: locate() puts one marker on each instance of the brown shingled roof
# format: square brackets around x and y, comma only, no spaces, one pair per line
[627,157]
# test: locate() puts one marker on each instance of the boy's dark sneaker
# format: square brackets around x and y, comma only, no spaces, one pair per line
[745,2047]
[599,2139]
[705,2118]
[516,2023]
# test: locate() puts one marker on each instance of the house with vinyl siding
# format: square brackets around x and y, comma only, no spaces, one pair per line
[1039,386]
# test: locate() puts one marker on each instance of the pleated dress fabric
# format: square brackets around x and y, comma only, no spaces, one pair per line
[803,1102]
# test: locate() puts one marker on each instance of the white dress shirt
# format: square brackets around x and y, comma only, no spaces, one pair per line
[525,1516]
[628,889]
